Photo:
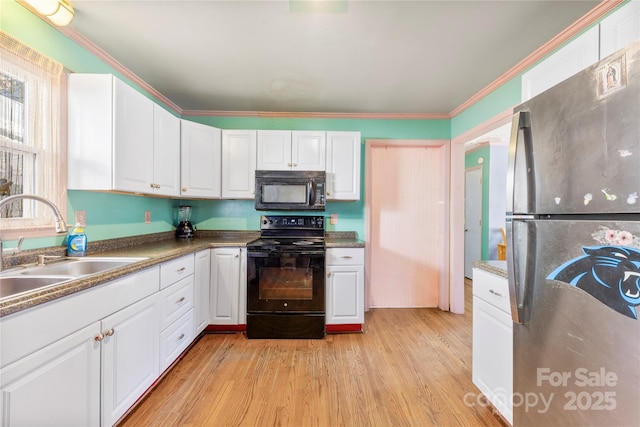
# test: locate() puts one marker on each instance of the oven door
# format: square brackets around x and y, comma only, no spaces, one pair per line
[287,282]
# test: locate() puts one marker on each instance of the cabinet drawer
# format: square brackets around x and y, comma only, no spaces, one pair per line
[175,339]
[172,271]
[345,256]
[175,301]
[492,289]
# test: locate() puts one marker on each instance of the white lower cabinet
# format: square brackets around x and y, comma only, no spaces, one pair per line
[85,359]
[228,278]
[492,364]
[130,348]
[176,312]
[57,385]
[345,286]
[202,279]
[82,360]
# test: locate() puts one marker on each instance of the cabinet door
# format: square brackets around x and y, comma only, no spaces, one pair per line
[201,160]
[130,356]
[308,150]
[574,57]
[343,165]
[345,294]
[274,150]
[133,139]
[166,153]
[202,280]
[238,164]
[57,385]
[90,109]
[225,286]
[620,28]
[492,363]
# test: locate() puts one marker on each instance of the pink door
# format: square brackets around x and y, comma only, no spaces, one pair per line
[409,224]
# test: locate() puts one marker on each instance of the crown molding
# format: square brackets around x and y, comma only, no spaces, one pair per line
[315,115]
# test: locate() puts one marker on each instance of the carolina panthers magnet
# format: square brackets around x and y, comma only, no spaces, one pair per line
[609,273]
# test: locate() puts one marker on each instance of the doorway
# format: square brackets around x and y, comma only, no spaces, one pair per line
[472,218]
[408,223]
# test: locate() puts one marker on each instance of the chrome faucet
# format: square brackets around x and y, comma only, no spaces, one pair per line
[60,223]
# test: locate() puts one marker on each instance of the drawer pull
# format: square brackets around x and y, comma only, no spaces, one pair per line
[180,337]
[99,337]
[180,300]
[109,332]
[346,257]
[498,294]
[180,270]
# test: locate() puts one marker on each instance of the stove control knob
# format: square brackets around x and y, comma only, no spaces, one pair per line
[285,304]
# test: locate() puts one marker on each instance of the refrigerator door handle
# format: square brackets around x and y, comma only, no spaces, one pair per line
[520,125]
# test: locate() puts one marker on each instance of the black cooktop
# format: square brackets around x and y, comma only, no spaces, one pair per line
[289,233]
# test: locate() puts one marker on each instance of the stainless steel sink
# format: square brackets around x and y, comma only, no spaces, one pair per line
[12,285]
[25,279]
[79,267]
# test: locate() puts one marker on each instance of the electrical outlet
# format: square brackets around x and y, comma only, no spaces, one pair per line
[147,217]
[333,219]
[81,218]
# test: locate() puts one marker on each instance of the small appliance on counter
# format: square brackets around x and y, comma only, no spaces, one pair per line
[185,228]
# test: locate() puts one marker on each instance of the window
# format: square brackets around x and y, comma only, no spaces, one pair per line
[31,147]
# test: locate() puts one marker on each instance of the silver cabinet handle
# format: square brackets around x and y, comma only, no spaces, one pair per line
[180,300]
[498,294]
[184,189]
[180,337]
[346,257]
[180,270]
[109,332]
[99,337]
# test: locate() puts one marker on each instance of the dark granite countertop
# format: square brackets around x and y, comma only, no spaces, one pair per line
[499,268]
[156,249]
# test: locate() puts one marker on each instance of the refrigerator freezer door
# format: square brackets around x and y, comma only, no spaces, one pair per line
[585,141]
[577,355]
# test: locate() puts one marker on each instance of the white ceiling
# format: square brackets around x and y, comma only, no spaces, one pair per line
[357,56]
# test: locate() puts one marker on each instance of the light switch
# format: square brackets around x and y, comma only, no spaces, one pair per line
[333,219]
[147,217]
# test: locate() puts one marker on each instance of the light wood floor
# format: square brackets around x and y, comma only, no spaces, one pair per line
[412,367]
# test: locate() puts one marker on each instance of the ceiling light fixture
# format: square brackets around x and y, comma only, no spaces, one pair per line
[60,12]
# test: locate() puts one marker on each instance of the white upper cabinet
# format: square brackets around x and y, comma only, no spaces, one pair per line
[574,57]
[343,165]
[274,150]
[200,161]
[238,164]
[620,28]
[113,134]
[133,140]
[166,152]
[291,150]
[614,32]
[308,150]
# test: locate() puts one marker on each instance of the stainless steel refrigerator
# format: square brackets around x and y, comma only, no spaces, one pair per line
[573,257]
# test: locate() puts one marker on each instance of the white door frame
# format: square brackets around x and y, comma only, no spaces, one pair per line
[456,242]
[444,290]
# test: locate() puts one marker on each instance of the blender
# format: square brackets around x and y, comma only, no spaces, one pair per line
[185,229]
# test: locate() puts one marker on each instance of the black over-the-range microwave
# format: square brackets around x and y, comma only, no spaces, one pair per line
[290,190]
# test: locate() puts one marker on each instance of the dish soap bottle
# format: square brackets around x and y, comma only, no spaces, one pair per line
[77,242]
